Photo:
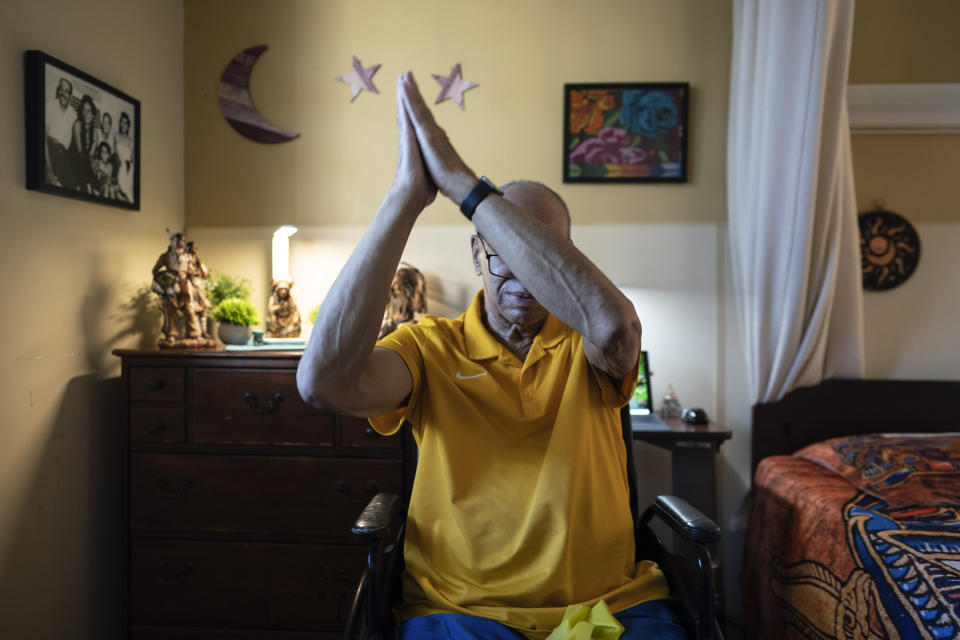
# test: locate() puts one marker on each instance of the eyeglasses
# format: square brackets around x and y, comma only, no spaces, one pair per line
[495,263]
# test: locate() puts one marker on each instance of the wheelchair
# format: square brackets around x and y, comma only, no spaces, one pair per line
[689,572]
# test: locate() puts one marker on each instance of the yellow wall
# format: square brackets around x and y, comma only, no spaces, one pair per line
[521,54]
[72,270]
[904,42]
[914,175]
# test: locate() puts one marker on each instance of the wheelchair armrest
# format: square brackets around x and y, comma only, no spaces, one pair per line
[374,521]
[688,521]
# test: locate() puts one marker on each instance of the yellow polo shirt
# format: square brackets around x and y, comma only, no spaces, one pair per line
[521,500]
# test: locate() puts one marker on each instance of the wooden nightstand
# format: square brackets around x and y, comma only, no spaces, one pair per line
[693,448]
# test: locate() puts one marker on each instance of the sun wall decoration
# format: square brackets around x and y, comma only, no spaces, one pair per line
[889,249]
[625,132]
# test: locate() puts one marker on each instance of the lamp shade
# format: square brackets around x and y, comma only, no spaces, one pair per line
[281,253]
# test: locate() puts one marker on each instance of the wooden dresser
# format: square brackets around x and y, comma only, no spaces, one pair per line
[240,498]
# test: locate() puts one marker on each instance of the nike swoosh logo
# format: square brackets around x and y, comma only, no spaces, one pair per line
[460,376]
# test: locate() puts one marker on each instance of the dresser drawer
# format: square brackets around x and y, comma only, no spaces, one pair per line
[254,495]
[234,584]
[157,424]
[232,406]
[157,384]
[357,432]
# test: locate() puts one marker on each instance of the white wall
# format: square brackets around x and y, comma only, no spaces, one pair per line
[913,331]
[669,271]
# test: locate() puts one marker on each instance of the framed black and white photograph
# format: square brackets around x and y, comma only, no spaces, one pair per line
[83,136]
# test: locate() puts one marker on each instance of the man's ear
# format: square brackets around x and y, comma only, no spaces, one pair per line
[476,247]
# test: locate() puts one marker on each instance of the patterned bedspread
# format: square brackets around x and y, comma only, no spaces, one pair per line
[830,557]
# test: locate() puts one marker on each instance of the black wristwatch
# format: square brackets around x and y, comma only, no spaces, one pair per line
[476,196]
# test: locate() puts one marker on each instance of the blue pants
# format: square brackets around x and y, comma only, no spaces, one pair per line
[648,621]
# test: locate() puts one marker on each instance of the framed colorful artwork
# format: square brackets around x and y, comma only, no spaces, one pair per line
[82,135]
[625,132]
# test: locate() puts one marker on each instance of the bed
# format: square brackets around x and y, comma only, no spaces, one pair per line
[855,520]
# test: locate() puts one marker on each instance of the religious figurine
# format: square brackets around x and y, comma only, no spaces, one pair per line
[408,299]
[178,297]
[197,274]
[671,405]
[283,317]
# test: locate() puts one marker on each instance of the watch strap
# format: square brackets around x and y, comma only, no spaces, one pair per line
[484,188]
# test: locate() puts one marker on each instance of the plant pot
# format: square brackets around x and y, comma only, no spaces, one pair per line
[234,333]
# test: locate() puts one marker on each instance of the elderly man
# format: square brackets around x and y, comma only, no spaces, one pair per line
[521,501]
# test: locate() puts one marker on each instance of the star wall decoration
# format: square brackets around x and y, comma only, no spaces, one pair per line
[359,78]
[453,86]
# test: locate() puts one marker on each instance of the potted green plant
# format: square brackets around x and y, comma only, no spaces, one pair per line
[236,316]
[221,286]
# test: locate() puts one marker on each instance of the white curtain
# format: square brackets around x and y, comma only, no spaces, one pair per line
[791,204]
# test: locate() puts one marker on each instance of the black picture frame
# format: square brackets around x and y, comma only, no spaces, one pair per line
[625,132]
[64,156]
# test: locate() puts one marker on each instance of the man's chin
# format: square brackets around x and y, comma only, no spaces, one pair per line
[524,314]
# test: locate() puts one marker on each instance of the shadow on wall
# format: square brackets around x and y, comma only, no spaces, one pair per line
[61,577]
[136,313]
[139,315]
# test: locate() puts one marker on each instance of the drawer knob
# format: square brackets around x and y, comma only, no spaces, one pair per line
[272,406]
[371,489]
[164,490]
[371,432]
[166,576]
[155,385]
[156,427]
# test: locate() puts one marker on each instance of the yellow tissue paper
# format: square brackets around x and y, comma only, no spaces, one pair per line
[581,622]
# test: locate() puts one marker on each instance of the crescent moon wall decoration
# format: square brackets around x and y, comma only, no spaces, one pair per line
[236,104]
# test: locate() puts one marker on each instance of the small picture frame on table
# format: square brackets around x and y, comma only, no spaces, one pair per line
[82,135]
[625,132]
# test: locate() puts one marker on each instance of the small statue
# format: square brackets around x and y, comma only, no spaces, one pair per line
[408,299]
[671,405]
[283,317]
[178,297]
[197,274]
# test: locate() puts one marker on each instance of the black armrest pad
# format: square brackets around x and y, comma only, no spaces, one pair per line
[686,520]
[382,510]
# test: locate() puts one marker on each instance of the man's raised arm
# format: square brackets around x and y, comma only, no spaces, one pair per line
[341,369]
[554,271]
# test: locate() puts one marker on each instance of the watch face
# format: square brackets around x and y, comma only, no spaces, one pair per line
[889,249]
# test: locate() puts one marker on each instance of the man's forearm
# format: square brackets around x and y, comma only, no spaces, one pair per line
[348,321]
[563,280]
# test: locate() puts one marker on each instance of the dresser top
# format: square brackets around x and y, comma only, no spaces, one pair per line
[209,357]
[206,353]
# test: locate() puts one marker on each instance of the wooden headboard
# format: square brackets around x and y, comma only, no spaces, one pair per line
[847,407]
